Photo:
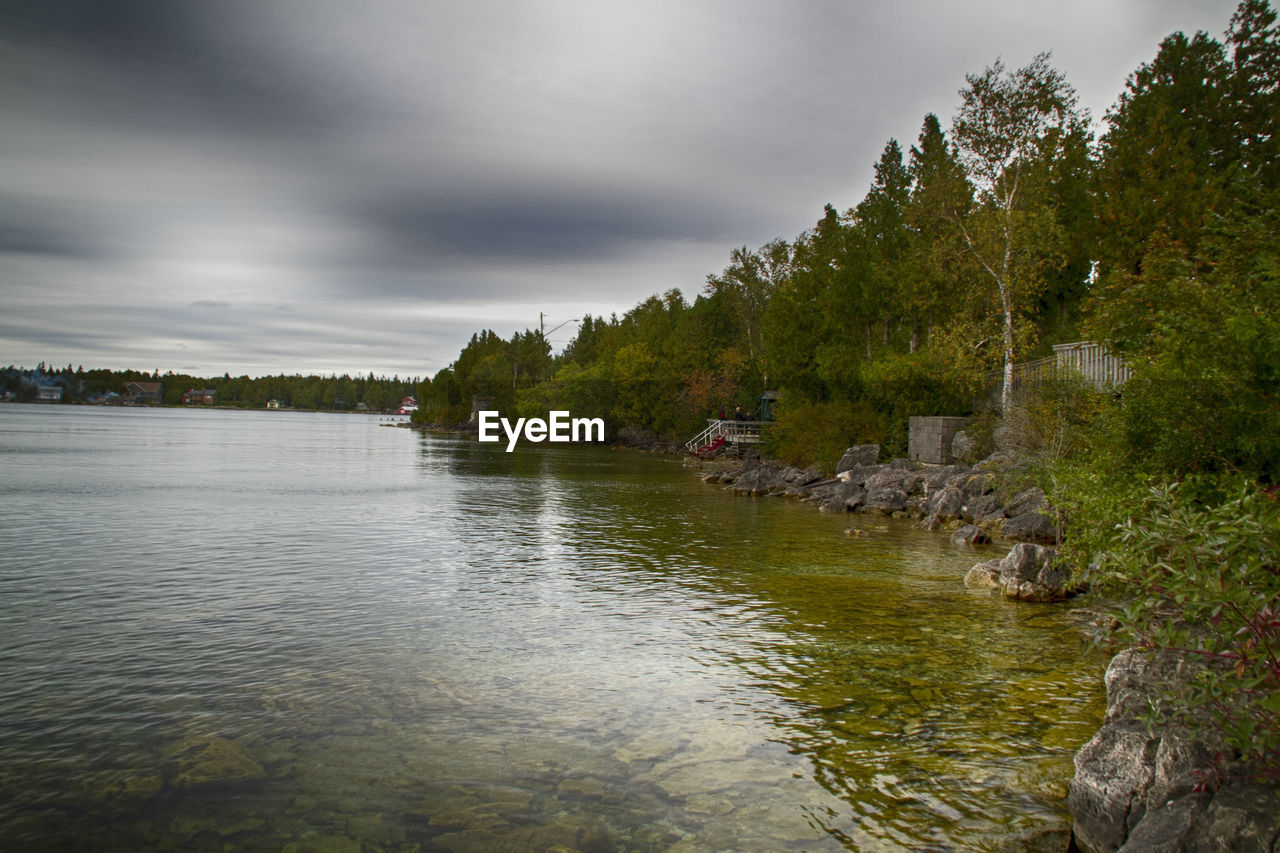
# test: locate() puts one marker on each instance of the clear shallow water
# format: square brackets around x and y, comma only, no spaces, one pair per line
[260,629]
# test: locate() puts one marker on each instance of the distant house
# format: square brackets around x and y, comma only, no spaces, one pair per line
[407,406]
[199,397]
[49,394]
[273,404]
[143,392]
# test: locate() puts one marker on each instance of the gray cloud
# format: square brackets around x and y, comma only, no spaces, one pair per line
[297,185]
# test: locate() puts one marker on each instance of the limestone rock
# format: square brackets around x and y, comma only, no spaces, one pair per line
[1031,527]
[1030,500]
[946,503]
[970,535]
[964,446]
[984,575]
[1135,789]
[886,500]
[1031,573]
[979,507]
[859,454]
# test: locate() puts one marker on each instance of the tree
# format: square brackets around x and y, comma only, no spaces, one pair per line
[1164,158]
[1254,85]
[1009,122]
[939,192]
[747,284]
[880,217]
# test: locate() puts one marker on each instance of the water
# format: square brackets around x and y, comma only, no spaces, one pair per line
[273,630]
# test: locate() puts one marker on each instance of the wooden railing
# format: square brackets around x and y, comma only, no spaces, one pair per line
[734,432]
[1089,359]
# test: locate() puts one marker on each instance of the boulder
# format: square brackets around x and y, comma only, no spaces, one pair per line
[1030,500]
[970,535]
[833,505]
[945,503]
[859,454]
[984,575]
[1031,527]
[886,500]
[1031,573]
[976,483]
[1138,788]
[936,477]
[858,474]
[964,446]
[979,507]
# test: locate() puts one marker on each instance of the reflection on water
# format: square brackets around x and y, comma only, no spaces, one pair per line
[270,629]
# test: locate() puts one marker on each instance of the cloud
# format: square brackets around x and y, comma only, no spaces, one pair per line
[313,184]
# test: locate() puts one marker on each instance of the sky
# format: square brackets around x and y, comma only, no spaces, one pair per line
[327,186]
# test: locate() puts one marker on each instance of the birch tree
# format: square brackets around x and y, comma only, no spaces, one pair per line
[1007,125]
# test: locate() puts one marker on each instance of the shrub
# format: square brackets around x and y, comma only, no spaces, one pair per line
[819,433]
[1200,570]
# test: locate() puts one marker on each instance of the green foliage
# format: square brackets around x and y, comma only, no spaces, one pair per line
[902,385]
[1199,563]
[819,433]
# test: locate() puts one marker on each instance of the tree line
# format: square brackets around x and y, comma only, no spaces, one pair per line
[313,392]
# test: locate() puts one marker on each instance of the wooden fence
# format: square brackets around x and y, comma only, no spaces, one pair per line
[1105,371]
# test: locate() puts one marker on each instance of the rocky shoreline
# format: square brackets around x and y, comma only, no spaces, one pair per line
[965,499]
[1136,788]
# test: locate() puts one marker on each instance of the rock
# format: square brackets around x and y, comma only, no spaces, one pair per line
[217,760]
[860,454]
[833,505]
[964,446]
[1031,573]
[980,507]
[930,523]
[1135,788]
[1030,500]
[970,535]
[976,483]
[946,503]
[984,575]
[1031,527]
[886,500]
[936,477]
[886,477]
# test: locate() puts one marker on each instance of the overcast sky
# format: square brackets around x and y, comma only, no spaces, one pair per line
[321,186]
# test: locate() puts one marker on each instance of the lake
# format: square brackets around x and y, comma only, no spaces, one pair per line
[296,631]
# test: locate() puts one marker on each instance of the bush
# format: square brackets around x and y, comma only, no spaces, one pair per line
[1200,570]
[819,433]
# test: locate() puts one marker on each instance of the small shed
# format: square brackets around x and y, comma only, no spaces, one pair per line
[929,438]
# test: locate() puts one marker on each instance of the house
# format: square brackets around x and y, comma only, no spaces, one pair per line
[273,404]
[143,392]
[407,406]
[49,394]
[199,397]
